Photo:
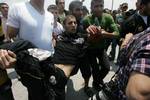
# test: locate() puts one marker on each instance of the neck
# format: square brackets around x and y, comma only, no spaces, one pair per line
[38,5]
[142,13]
[61,11]
[5,16]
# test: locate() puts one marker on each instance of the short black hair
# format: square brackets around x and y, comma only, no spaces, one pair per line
[93,1]
[68,17]
[144,2]
[56,1]
[4,3]
[85,9]
[74,4]
[52,7]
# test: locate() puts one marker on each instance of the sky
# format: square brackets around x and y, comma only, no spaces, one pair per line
[108,3]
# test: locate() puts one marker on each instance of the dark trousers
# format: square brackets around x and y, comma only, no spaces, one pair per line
[84,66]
[101,67]
[36,90]
[43,90]
[6,95]
[6,92]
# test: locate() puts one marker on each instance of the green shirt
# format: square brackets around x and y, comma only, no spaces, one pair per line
[106,22]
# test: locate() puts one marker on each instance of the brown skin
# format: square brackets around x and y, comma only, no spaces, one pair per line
[126,40]
[77,12]
[143,10]
[97,10]
[7,59]
[39,5]
[4,10]
[61,6]
[138,87]
[70,26]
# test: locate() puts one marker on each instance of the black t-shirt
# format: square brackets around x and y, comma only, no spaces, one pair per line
[68,50]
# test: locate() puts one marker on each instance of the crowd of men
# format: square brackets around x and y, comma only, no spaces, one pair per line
[75,39]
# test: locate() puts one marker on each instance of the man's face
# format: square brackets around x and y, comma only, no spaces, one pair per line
[4,10]
[61,4]
[78,12]
[97,8]
[71,25]
[124,8]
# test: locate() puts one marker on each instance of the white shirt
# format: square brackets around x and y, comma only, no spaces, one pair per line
[33,26]
[58,29]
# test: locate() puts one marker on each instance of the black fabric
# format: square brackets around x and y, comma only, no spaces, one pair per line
[67,50]
[25,63]
[134,24]
[17,46]
[35,75]
[7,85]
[101,69]
[7,95]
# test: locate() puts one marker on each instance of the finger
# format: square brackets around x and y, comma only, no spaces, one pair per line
[2,64]
[92,30]
[87,30]
[5,62]
[11,60]
[11,54]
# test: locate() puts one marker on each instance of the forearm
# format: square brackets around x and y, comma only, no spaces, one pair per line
[127,39]
[109,35]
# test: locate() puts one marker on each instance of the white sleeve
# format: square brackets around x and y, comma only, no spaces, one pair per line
[13,17]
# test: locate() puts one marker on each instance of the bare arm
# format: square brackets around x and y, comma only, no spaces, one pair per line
[138,87]
[126,40]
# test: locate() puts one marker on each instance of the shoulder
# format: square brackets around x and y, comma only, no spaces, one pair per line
[87,17]
[18,5]
[107,16]
[49,16]
[131,20]
[15,8]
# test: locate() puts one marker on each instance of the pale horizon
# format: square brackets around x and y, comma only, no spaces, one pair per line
[108,3]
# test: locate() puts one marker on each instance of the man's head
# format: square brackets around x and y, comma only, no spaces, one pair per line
[4,9]
[54,10]
[124,7]
[97,7]
[144,7]
[60,4]
[138,3]
[76,9]
[70,24]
